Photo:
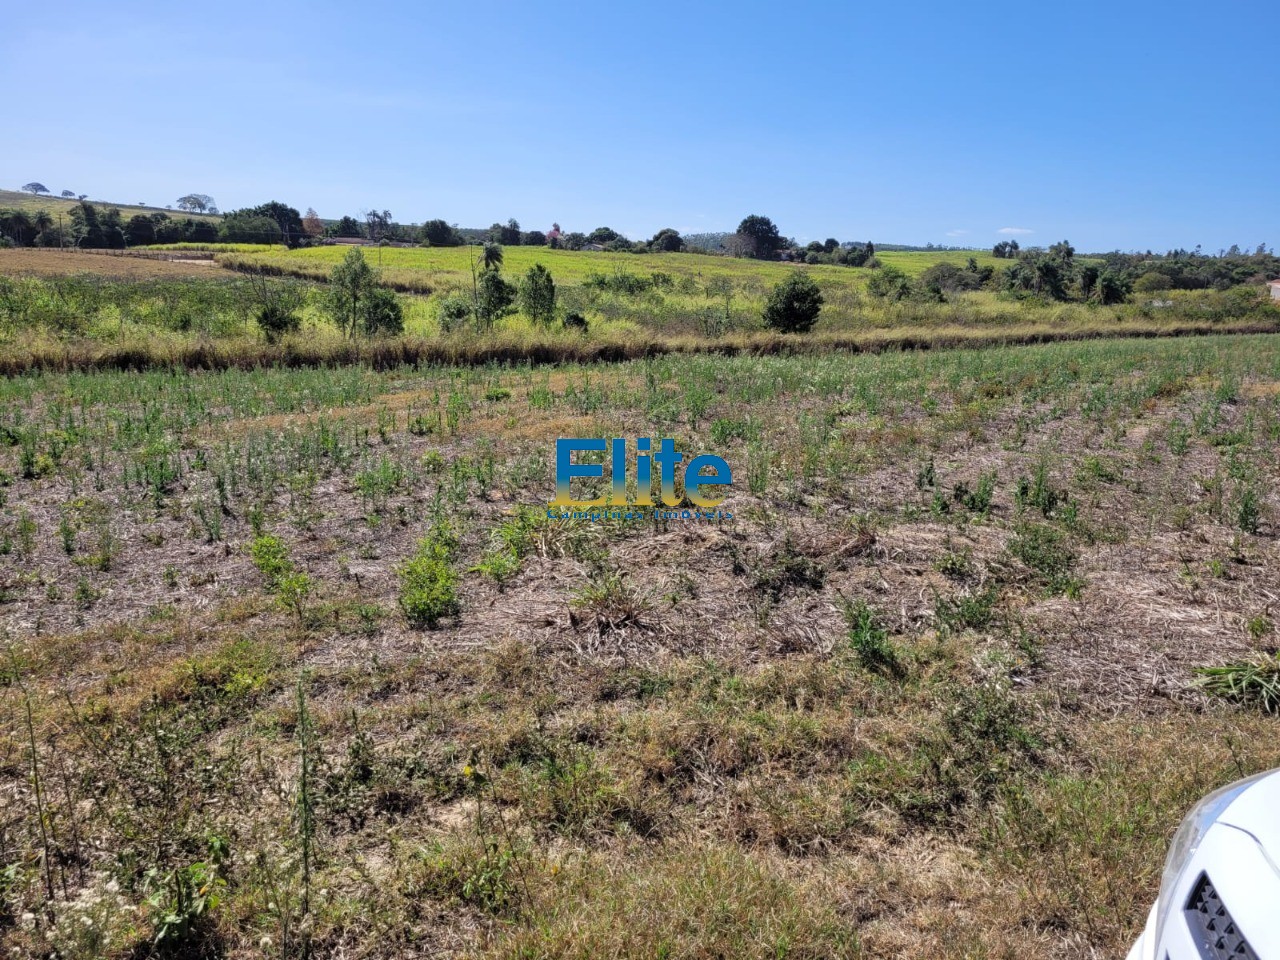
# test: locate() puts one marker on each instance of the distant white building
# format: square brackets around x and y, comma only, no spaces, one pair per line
[1275,289]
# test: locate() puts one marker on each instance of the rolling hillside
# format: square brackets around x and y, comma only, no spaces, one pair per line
[17,200]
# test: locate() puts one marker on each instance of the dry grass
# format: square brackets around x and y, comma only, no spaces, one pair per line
[25,261]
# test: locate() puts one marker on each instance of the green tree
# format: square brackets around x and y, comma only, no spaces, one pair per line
[382,315]
[1152,281]
[794,304]
[244,226]
[721,287]
[494,297]
[199,231]
[350,286]
[491,257]
[86,227]
[1042,274]
[35,188]
[1064,253]
[948,278]
[17,226]
[348,227]
[538,295]
[287,218]
[1088,280]
[113,229]
[667,240]
[437,233]
[759,237]
[889,283]
[140,230]
[1112,287]
[377,224]
[275,322]
[197,203]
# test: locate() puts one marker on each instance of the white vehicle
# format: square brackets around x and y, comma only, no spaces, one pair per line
[1220,893]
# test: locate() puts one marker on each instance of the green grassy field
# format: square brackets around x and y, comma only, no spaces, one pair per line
[449,268]
[17,200]
[80,310]
[292,663]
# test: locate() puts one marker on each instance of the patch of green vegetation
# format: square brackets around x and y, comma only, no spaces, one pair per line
[428,581]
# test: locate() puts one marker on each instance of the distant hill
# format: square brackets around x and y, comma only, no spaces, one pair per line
[16,200]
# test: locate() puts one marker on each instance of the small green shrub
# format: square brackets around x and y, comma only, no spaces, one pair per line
[275,320]
[271,557]
[428,582]
[1039,492]
[1249,510]
[183,899]
[870,640]
[979,499]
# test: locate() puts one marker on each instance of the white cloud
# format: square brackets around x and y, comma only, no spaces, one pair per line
[1014,231]
[956,233]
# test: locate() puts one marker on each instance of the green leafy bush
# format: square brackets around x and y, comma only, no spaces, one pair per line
[870,640]
[794,304]
[271,557]
[428,582]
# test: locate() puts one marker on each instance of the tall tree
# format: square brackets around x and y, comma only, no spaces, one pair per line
[491,257]
[140,230]
[287,218]
[348,227]
[16,225]
[494,297]
[538,295]
[35,188]
[197,203]
[312,225]
[437,233]
[378,223]
[760,237]
[350,286]
[85,226]
[667,240]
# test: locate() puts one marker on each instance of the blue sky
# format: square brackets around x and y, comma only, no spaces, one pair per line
[1116,125]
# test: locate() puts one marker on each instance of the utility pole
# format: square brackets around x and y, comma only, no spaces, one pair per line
[59,231]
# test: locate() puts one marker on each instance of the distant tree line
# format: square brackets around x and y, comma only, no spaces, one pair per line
[1057,274]
[88,227]
[1194,270]
[272,222]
